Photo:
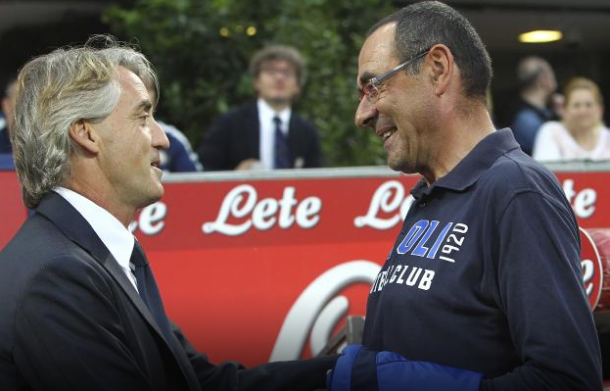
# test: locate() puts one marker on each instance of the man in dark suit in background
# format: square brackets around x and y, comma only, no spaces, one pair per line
[267,133]
[7,104]
[535,105]
[79,306]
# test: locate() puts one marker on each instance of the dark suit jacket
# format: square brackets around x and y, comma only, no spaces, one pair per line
[235,137]
[71,320]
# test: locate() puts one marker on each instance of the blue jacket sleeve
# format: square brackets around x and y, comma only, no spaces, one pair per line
[360,369]
[179,157]
[525,127]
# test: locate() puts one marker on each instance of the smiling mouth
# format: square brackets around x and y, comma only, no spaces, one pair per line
[387,134]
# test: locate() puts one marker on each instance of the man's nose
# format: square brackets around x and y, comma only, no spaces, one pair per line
[366,112]
[159,138]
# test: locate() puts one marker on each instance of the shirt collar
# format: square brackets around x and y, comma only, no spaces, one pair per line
[113,234]
[468,171]
[266,113]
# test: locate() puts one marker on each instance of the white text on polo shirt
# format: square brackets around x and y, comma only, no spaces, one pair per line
[419,242]
[397,274]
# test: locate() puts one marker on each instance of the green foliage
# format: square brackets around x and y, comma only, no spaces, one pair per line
[201,50]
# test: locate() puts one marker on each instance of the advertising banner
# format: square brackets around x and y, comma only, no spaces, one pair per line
[265,269]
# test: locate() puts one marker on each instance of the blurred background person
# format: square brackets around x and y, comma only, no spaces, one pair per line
[537,85]
[267,133]
[582,133]
[6,122]
[179,157]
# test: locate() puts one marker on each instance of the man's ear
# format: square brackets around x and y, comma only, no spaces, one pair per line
[84,135]
[441,68]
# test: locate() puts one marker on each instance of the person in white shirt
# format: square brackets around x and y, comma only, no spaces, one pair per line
[267,133]
[582,134]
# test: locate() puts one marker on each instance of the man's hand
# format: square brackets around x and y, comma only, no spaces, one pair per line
[249,164]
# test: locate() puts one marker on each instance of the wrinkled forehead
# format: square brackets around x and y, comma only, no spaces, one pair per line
[132,84]
[128,79]
[377,54]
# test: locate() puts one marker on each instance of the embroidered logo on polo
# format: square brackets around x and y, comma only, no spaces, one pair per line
[448,240]
[425,239]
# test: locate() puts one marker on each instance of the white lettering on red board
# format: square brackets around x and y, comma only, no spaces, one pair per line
[389,206]
[583,202]
[241,204]
[151,219]
[389,198]
[588,272]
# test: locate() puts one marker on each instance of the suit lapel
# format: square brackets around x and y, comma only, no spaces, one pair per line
[295,142]
[77,229]
[253,133]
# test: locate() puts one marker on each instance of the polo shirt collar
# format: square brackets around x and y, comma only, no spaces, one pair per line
[468,171]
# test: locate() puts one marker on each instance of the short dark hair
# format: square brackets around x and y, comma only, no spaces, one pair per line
[529,71]
[279,52]
[422,25]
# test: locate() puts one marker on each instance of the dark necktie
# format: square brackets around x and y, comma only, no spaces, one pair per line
[147,288]
[282,154]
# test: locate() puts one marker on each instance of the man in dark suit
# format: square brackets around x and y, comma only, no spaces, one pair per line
[267,133]
[79,306]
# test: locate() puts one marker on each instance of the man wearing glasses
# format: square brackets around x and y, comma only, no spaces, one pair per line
[483,287]
[265,134]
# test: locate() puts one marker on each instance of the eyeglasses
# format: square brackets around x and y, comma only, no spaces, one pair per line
[371,89]
[275,71]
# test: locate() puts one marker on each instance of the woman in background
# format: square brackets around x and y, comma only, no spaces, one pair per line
[581,135]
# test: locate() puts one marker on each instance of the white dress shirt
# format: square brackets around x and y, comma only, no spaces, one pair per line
[267,131]
[114,235]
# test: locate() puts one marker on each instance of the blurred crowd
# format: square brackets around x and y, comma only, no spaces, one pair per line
[551,122]
[553,126]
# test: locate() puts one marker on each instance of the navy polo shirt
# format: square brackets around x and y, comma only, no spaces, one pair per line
[486,276]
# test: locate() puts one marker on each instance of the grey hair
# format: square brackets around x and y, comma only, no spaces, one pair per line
[57,90]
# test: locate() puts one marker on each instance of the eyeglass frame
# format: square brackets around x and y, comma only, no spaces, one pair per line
[374,82]
[288,73]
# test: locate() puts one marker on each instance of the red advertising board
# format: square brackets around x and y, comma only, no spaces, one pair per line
[266,268]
